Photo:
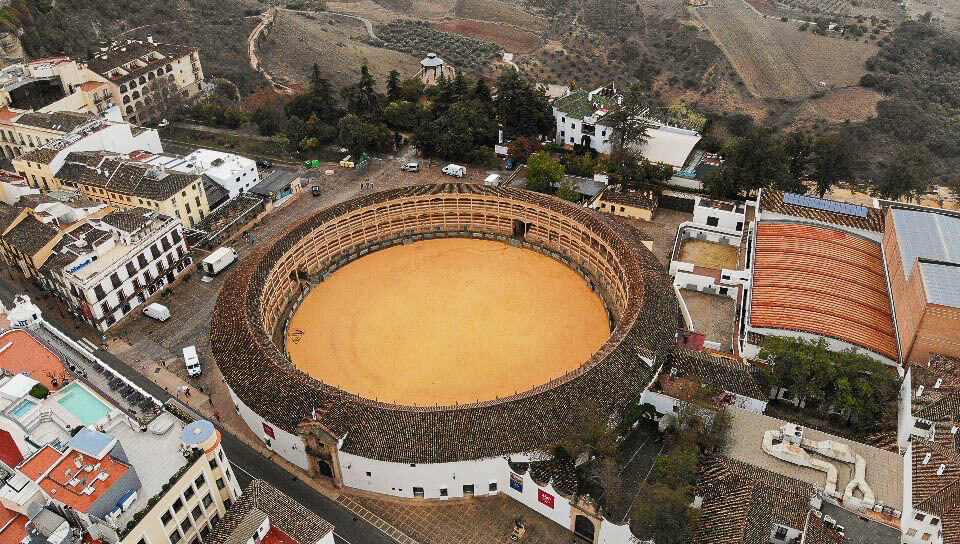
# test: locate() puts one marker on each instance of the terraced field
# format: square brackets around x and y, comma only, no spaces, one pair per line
[510,38]
[498,12]
[775,60]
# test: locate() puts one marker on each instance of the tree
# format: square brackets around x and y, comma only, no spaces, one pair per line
[908,174]
[832,161]
[522,107]
[350,130]
[588,434]
[402,115]
[678,469]
[627,121]
[750,163]
[394,90]
[226,89]
[798,365]
[543,172]
[569,190]
[481,92]
[317,100]
[521,148]
[664,515]
[362,98]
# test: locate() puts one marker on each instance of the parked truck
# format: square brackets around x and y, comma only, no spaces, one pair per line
[191,361]
[218,260]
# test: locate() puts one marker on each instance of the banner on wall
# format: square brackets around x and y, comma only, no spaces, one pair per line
[516,482]
[268,430]
[545,498]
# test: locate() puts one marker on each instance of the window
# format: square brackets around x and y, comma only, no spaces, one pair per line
[418,492]
[219,483]
[926,536]
[492,487]
[165,243]
[920,516]
[165,518]
[155,251]
[178,505]
[175,536]
[142,261]
[713,221]
[468,490]
[739,225]
[197,513]
[189,493]
[443,491]
[198,201]
[934,521]
[912,532]
[207,500]
[131,269]
[724,290]
[368,474]
[98,291]
[176,236]
[213,464]
[185,525]
[115,280]
[199,481]
[780,533]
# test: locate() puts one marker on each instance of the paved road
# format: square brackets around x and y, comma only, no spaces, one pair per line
[249,462]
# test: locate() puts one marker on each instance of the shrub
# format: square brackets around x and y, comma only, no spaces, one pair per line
[39,391]
[166,292]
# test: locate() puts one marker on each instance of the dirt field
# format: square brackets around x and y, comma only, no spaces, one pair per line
[510,38]
[838,105]
[709,254]
[445,321]
[775,60]
[296,42]
[499,12]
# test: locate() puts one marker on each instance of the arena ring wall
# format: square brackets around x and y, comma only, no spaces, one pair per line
[271,392]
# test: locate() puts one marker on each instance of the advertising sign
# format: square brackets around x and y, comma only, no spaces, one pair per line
[516,482]
[268,430]
[545,498]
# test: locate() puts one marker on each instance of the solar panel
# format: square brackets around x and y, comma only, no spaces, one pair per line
[825,205]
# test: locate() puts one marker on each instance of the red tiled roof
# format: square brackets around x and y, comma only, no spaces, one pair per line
[822,281]
[27,355]
[6,114]
[276,536]
[9,452]
[13,526]
[91,85]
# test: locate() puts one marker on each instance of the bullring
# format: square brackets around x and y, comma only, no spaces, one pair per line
[389,448]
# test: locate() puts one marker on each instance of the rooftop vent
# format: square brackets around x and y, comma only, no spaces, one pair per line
[920,391]
[926,458]
[941,469]
[938,384]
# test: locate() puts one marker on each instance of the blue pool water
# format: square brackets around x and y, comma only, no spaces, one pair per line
[24,407]
[82,404]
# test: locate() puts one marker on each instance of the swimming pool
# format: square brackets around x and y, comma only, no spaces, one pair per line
[82,404]
[23,408]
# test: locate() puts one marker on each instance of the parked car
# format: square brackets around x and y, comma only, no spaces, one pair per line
[492,180]
[163,123]
[454,170]
[157,311]
[411,167]
[264,163]
[511,162]
[315,190]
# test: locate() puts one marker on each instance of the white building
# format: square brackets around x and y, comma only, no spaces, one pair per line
[106,268]
[234,173]
[579,117]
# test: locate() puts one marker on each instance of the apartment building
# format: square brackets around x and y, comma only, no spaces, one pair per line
[38,166]
[264,514]
[53,84]
[115,180]
[146,79]
[235,174]
[106,268]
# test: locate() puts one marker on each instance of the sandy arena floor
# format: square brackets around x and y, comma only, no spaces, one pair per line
[445,321]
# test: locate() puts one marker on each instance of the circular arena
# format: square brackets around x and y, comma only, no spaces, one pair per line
[350,434]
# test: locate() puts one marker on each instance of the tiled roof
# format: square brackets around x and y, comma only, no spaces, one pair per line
[818,532]
[772,201]
[7,214]
[61,121]
[823,281]
[937,494]
[262,377]
[114,173]
[742,502]
[127,220]
[639,199]
[575,104]
[30,235]
[285,514]
[562,474]
[42,155]
[123,53]
[724,374]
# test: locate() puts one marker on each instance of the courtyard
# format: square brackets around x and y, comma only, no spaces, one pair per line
[708,254]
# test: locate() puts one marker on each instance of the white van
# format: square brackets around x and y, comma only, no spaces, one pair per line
[157,311]
[191,360]
[218,260]
[454,170]
[492,180]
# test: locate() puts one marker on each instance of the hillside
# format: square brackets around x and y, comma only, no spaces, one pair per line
[77,27]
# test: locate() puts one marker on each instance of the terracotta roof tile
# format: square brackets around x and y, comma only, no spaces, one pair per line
[724,374]
[823,281]
[285,514]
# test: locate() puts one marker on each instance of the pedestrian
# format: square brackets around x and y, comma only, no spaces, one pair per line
[210,400]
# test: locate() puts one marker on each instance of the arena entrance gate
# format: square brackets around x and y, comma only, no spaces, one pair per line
[324,469]
[584,529]
[520,229]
